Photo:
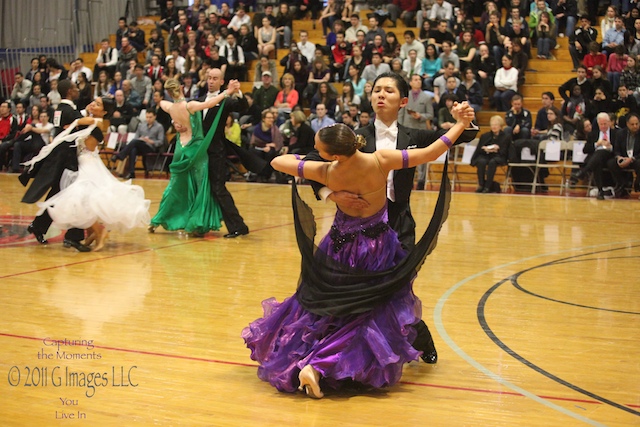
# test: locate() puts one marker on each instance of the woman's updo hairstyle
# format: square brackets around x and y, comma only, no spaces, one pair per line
[341,140]
[173,87]
[109,106]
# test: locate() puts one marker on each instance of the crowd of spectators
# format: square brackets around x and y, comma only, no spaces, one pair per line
[460,51]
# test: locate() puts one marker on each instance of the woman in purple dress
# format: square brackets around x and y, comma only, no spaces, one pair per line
[351,318]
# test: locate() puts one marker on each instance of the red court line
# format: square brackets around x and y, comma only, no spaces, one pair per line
[251,365]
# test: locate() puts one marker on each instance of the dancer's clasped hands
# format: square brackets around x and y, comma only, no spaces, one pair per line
[462,112]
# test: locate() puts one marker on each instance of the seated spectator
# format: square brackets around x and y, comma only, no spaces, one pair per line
[178,62]
[294,55]
[302,139]
[248,43]
[376,67]
[287,98]
[256,22]
[566,14]
[357,60]
[495,36]
[614,36]
[505,83]
[265,64]
[132,97]
[472,89]
[426,33]
[193,62]
[374,30]
[375,47]
[431,66]
[8,131]
[85,96]
[396,67]
[321,120]
[466,50]
[412,65]
[155,70]
[599,80]
[45,106]
[536,12]
[149,137]
[35,66]
[34,136]
[448,55]
[305,47]
[623,104]
[631,78]
[239,19]
[284,24]
[326,97]
[232,131]
[491,152]
[356,26]
[599,150]
[546,38]
[121,31]
[143,85]
[442,34]
[162,116]
[440,11]
[405,10]
[266,142]
[77,67]
[190,90]
[365,99]
[390,48]
[36,93]
[626,155]
[136,36]
[21,89]
[519,32]
[453,90]
[445,119]
[300,75]
[580,40]
[348,97]
[440,83]
[542,123]
[319,73]
[122,114]
[215,61]
[127,53]
[616,64]
[518,120]
[155,41]
[339,54]
[328,16]
[266,37]
[555,130]
[265,96]
[53,97]
[574,109]
[236,68]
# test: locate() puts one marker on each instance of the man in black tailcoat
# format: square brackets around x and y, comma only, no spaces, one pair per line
[218,151]
[389,95]
[47,173]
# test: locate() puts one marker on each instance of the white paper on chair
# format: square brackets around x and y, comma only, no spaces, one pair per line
[552,151]
[468,153]
[130,136]
[578,155]
[526,156]
[112,143]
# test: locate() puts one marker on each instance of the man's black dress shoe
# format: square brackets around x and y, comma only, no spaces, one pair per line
[39,237]
[235,234]
[79,246]
[430,357]
[114,158]
[600,195]
[130,176]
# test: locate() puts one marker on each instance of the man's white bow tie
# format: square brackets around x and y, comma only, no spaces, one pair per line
[391,132]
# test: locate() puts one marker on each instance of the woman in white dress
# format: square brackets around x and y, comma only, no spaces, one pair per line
[95,200]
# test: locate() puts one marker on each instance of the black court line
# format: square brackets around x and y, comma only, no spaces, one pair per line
[487,329]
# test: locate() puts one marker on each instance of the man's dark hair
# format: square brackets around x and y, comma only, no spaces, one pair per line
[410,33]
[63,87]
[401,83]
[550,95]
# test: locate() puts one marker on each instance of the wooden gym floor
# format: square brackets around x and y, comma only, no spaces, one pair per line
[533,301]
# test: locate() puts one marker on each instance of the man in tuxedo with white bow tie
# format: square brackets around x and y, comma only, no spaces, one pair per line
[390,94]
[217,150]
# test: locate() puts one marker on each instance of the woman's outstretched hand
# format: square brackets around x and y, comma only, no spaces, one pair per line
[233,87]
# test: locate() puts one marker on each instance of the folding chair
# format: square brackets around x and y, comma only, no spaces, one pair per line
[160,160]
[549,158]
[462,157]
[508,180]
[573,160]
[439,161]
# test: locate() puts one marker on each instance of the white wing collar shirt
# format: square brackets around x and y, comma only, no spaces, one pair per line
[387,139]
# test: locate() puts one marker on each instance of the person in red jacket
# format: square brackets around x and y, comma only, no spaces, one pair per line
[403,9]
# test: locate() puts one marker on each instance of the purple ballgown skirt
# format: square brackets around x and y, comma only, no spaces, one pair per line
[369,348]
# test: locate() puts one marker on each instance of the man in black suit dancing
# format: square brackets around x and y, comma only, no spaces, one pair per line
[218,167]
[48,172]
[386,133]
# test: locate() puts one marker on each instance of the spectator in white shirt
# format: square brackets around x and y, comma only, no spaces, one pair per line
[307,48]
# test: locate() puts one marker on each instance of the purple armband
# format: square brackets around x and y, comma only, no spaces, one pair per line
[301,169]
[446,141]
[297,156]
[405,159]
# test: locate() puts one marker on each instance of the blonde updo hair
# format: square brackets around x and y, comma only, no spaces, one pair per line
[173,87]
[341,140]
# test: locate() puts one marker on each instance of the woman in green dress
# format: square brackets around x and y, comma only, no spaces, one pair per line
[187,203]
